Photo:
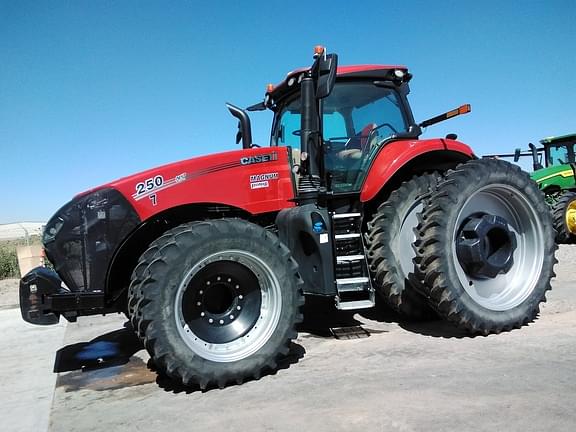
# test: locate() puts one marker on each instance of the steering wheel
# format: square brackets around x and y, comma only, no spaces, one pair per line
[371,140]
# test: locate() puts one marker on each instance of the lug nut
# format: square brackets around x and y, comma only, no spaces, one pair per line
[231,317]
[210,320]
[221,321]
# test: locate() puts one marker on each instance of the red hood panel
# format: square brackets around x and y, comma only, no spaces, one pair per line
[256,180]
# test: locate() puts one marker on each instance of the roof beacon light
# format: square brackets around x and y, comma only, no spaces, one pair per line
[319,50]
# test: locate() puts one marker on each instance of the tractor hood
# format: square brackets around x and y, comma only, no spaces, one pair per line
[558,175]
[82,237]
[227,178]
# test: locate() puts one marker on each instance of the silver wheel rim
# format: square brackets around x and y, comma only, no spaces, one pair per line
[508,290]
[261,331]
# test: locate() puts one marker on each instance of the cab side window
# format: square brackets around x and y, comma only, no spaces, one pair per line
[287,132]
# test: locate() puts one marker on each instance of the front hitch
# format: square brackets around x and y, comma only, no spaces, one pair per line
[43,298]
[36,288]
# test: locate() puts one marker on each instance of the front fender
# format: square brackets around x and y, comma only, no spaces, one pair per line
[398,154]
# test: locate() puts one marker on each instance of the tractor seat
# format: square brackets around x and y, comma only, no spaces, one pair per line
[357,146]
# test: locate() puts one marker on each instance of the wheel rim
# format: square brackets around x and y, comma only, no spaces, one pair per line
[407,236]
[514,284]
[228,305]
[571,217]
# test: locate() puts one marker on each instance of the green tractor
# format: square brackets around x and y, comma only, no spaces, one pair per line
[554,167]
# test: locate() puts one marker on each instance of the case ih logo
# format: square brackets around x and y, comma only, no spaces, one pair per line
[249,160]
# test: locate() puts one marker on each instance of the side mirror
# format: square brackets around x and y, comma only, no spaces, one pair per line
[324,73]
[244,127]
[517,154]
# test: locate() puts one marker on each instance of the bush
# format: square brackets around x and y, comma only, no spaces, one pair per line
[8,262]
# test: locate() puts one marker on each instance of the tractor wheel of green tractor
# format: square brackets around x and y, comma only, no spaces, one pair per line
[216,302]
[486,247]
[564,215]
[390,253]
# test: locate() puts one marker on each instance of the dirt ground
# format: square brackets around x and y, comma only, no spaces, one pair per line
[403,377]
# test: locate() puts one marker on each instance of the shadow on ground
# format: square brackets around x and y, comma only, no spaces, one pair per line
[108,362]
[105,363]
[111,349]
[320,316]
[171,385]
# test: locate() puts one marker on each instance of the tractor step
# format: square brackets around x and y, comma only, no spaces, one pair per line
[352,332]
[346,236]
[357,304]
[345,215]
[353,286]
[347,258]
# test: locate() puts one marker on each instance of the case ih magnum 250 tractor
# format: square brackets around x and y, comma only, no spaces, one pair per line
[211,257]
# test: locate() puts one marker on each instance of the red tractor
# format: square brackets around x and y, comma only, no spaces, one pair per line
[211,257]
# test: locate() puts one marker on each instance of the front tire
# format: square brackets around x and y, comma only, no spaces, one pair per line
[486,247]
[564,216]
[218,302]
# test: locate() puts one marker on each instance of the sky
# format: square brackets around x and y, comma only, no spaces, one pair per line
[94,90]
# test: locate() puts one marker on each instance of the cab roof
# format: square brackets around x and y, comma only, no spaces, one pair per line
[383,72]
[555,139]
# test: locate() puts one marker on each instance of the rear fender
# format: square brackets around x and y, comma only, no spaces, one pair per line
[412,157]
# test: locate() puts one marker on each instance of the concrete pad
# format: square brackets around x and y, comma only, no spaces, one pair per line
[404,377]
[27,381]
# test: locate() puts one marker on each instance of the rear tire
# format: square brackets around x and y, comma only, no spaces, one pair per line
[391,233]
[564,216]
[519,251]
[217,301]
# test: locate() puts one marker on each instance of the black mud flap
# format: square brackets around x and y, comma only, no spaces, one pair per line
[35,289]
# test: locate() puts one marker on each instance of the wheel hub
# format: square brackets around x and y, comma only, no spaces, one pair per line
[222,302]
[571,217]
[485,246]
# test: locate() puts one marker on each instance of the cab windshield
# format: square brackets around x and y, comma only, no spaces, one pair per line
[358,117]
[560,154]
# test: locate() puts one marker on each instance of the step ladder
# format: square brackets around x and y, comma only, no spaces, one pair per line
[353,282]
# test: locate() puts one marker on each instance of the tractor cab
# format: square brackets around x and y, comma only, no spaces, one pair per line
[559,150]
[366,108]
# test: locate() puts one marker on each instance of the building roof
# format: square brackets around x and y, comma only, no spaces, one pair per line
[20,230]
